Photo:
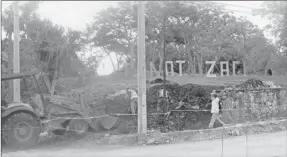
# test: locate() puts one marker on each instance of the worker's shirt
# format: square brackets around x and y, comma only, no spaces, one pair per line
[134,94]
[161,93]
[215,105]
[38,102]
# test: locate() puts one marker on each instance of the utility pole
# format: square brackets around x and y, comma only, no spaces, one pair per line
[142,116]
[164,60]
[10,69]
[16,60]
[285,33]
[166,106]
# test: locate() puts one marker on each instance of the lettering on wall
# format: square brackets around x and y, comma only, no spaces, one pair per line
[180,66]
[171,73]
[153,70]
[224,68]
[234,66]
[211,69]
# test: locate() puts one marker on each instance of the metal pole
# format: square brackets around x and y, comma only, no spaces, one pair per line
[142,117]
[16,60]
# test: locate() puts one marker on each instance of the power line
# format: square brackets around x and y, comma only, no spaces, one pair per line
[237,6]
[240,6]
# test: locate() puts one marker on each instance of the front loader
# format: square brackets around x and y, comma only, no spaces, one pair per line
[22,123]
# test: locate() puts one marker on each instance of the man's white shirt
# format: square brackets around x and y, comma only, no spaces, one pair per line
[215,105]
[161,93]
[134,94]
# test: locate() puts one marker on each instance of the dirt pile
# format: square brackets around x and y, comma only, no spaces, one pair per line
[252,83]
[194,96]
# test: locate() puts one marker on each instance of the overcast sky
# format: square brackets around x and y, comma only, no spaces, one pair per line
[75,14]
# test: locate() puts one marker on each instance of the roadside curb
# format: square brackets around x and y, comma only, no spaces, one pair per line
[154,138]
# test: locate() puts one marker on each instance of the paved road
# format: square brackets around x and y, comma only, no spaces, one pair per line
[264,145]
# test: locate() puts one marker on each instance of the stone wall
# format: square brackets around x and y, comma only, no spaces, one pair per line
[254,105]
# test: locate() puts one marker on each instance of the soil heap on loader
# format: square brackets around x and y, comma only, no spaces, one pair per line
[22,123]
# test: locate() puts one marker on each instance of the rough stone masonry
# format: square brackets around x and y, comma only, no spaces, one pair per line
[254,105]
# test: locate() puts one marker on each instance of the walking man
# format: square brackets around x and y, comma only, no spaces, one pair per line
[215,110]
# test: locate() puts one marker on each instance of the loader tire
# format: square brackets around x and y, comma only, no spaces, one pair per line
[21,130]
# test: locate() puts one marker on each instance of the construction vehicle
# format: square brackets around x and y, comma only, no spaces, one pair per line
[22,123]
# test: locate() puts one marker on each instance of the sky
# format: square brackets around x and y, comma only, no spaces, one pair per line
[75,14]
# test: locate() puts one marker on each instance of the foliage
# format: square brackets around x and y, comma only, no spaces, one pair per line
[45,46]
[194,32]
[275,11]
[113,30]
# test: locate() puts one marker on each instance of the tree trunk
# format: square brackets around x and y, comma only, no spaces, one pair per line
[112,61]
[189,60]
[53,83]
[153,54]
[118,63]
[160,55]
[199,62]
[193,64]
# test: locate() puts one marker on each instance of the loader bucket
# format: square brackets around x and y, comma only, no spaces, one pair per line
[101,119]
[109,122]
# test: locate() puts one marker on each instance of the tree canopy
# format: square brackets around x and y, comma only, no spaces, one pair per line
[276,12]
[194,31]
[44,46]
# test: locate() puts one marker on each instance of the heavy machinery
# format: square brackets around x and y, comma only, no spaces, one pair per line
[22,123]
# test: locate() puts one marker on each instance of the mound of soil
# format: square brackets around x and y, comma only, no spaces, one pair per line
[195,96]
[252,83]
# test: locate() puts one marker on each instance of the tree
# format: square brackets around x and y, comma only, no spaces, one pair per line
[113,30]
[276,12]
[45,46]
[195,32]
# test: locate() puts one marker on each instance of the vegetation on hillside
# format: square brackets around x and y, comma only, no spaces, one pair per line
[195,32]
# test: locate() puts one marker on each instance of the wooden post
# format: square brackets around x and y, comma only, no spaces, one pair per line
[142,117]
[16,60]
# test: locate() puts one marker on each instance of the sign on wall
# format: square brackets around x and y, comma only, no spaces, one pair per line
[224,68]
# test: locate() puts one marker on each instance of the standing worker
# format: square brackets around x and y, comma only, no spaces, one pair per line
[162,106]
[132,95]
[163,100]
[134,100]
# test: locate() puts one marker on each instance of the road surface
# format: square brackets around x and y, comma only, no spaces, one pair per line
[263,145]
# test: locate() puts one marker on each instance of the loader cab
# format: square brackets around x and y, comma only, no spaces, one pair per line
[26,79]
